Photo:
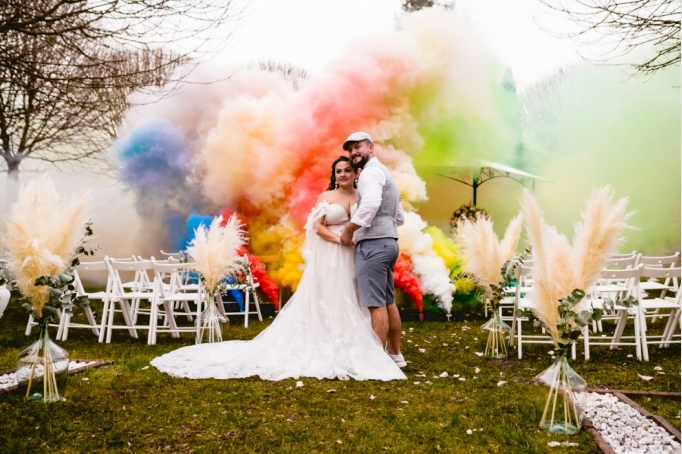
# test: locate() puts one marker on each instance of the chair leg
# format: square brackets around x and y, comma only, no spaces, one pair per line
[620,327]
[247,304]
[586,339]
[29,325]
[171,319]
[105,316]
[638,338]
[110,322]
[153,316]
[641,318]
[127,316]
[188,311]
[256,301]
[91,319]
[519,340]
[672,324]
[63,324]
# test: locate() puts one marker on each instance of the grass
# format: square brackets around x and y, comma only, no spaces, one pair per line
[130,406]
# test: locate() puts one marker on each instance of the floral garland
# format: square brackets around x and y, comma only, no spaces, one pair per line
[467,211]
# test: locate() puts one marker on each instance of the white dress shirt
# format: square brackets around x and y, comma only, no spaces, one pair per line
[370,186]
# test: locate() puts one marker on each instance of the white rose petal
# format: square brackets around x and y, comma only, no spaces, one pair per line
[645,377]
[469,432]
[372,397]
[501,383]
[477,370]
[443,375]
[478,353]
[422,350]
[299,384]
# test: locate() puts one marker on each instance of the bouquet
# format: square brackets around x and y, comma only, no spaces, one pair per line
[469,212]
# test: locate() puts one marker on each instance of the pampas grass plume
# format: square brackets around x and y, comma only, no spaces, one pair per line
[559,267]
[43,232]
[214,250]
[483,253]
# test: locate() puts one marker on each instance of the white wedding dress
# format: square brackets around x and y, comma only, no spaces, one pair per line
[321,332]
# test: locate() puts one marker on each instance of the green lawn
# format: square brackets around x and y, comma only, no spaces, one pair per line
[130,406]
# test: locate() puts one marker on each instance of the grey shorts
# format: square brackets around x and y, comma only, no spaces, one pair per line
[374,261]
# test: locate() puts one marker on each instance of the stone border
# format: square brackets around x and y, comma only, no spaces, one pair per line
[622,396]
[87,364]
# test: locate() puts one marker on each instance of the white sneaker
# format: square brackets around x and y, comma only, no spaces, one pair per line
[399,360]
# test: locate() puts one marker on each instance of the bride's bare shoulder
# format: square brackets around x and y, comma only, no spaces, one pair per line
[324,197]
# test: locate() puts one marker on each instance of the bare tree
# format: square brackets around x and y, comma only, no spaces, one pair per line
[626,25]
[288,71]
[415,5]
[67,67]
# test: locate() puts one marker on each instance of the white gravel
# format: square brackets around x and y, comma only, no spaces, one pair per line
[625,429]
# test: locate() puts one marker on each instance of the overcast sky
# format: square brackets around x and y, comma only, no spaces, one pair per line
[311,33]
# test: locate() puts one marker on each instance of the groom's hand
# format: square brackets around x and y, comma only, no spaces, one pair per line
[347,234]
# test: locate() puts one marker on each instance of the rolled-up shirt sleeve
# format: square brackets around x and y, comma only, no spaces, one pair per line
[370,187]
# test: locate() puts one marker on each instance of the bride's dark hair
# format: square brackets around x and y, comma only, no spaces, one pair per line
[332,180]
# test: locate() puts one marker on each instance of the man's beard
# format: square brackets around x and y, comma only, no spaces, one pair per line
[360,164]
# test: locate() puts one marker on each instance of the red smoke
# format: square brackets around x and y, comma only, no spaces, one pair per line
[406,281]
[267,285]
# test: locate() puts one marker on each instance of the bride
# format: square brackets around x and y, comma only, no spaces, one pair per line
[322,331]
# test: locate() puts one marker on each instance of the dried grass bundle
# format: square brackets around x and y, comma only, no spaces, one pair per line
[214,250]
[559,268]
[483,252]
[43,233]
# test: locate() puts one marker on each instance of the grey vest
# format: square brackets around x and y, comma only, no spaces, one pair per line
[384,223]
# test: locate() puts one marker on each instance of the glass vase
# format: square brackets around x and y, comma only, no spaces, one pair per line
[209,327]
[560,388]
[42,369]
[496,346]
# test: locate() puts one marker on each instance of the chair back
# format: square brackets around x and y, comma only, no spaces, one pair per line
[660,261]
[670,276]
[627,278]
[172,273]
[86,267]
[629,261]
[138,269]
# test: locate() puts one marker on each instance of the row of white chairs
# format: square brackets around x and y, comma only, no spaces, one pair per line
[131,292]
[653,281]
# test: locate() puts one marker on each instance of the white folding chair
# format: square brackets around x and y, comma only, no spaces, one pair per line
[671,304]
[249,288]
[66,322]
[653,285]
[618,285]
[519,291]
[166,295]
[125,300]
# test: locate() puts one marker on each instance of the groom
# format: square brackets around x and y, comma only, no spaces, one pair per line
[374,230]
